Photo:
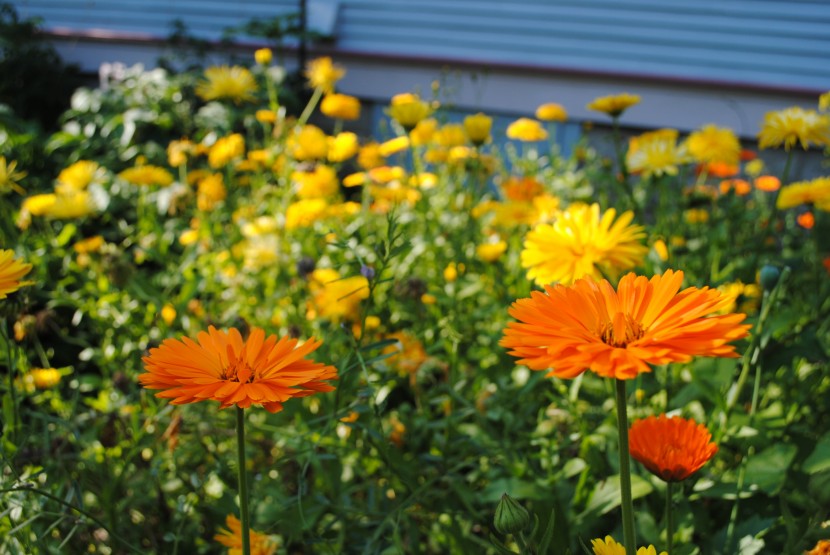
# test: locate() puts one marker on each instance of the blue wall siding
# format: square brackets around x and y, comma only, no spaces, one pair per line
[759,42]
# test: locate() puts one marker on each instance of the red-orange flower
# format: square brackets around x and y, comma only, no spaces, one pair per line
[670,448]
[618,334]
[223,367]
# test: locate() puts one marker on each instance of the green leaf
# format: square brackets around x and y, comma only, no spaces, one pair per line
[819,459]
[606,495]
[768,469]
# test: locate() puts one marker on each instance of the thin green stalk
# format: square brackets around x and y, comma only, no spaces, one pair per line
[785,175]
[669,518]
[309,109]
[12,372]
[243,481]
[625,471]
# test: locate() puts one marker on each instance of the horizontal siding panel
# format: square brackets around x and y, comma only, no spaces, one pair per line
[754,41]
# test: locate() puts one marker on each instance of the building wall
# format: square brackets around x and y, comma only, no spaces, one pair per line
[693,62]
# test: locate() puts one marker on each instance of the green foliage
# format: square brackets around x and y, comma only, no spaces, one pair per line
[431,421]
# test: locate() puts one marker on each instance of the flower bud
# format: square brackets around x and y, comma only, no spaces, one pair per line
[769,277]
[511,518]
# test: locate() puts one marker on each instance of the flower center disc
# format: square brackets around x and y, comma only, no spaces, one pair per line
[239,371]
[621,330]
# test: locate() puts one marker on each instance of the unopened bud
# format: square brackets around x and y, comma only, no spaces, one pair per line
[511,518]
[769,276]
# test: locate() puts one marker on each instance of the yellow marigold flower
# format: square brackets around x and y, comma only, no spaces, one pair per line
[824,101]
[611,547]
[491,251]
[744,297]
[816,192]
[423,132]
[72,205]
[179,151]
[607,547]
[370,157]
[478,127]
[321,182]
[426,298]
[225,150]
[696,216]
[147,176]
[393,146]
[551,112]
[450,135]
[9,177]
[582,242]
[386,174]
[408,109]
[714,144]
[342,147]
[335,298]
[168,314]
[343,209]
[266,116]
[304,213]
[355,179]
[260,544]
[189,237]
[78,176]
[89,245]
[791,125]
[661,249]
[614,105]
[41,378]
[451,272]
[323,74]
[11,270]
[340,106]
[526,130]
[234,83]
[655,153]
[35,205]
[263,56]
[310,143]
[210,191]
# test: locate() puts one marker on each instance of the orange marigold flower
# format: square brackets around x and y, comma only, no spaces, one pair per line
[223,367]
[821,548]
[261,544]
[806,220]
[619,333]
[671,448]
[767,183]
[11,270]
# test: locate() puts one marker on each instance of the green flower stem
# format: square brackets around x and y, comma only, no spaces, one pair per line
[625,471]
[309,109]
[669,518]
[243,481]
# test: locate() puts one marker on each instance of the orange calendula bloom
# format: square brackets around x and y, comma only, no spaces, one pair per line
[671,448]
[223,367]
[261,544]
[619,333]
[11,270]
[821,548]
[767,183]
